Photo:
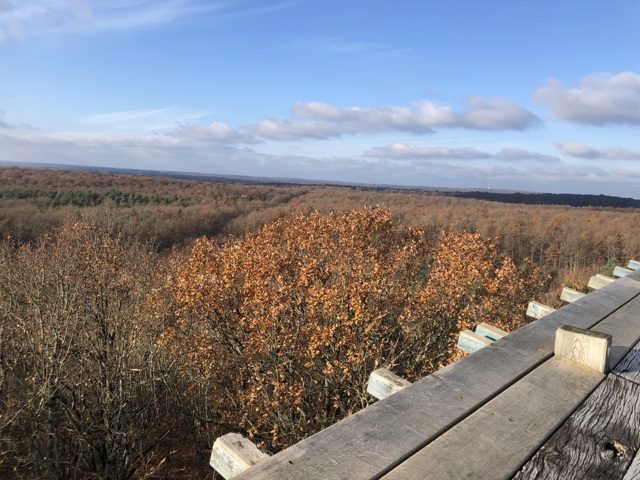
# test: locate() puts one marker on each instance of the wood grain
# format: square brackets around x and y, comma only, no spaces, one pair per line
[622,272]
[232,454]
[497,439]
[384,434]
[470,342]
[629,367]
[634,470]
[598,441]
[383,382]
[538,310]
[489,331]
[570,295]
[587,347]
[598,281]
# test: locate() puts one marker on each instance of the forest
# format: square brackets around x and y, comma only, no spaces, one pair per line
[141,317]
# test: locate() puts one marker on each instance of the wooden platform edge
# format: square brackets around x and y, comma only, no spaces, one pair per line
[392,431]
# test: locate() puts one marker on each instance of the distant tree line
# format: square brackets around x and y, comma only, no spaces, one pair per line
[87,198]
[569,199]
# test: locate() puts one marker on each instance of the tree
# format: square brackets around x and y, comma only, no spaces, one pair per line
[285,326]
[86,383]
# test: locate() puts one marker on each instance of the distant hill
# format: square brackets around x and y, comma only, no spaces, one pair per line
[568,199]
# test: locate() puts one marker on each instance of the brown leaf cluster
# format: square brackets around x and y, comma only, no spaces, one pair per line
[287,324]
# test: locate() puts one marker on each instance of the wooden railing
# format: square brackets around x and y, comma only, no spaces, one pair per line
[488,414]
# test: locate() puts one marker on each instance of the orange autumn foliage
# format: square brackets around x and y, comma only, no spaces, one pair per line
[285,326]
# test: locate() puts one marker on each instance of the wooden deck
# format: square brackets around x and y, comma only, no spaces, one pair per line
[510,410]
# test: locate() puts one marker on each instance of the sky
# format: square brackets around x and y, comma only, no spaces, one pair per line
[535,95]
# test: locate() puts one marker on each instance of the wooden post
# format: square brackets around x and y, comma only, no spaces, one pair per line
[232,454]
[570,295]
[538,310]
[598,281]
[470,342]
[633,265]
[586,347]
[622,272]
[490,332]
[383,382]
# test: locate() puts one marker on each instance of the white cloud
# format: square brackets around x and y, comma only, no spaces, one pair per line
[601,99]
[22,18]
[516,154]
[285,129]
[4,124]
[216,132]
[19,18]
[136,122]
[580,150]
[175,154]
[317,120]
[408,151]
[482,114]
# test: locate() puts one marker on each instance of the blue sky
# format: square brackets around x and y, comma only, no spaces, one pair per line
[536,95]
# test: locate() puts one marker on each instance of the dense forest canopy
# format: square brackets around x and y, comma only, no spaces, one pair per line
[569,199]
[146,316]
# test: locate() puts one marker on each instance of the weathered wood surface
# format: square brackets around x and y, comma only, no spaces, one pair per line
[634,276]
[383,382]
[489,331]
[633,265]
[634,470]
[538,310]
[622,272]
[624,327]
[470,342]
[587,347]
[496,440]
[598,281]
[629,367]
[461,452]
[232,454]
[570,295]
[600,439]
[367,443]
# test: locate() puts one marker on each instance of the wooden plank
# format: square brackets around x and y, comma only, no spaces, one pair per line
[624,328]
[232,454]
[634,276]
[598,281]
[385,433]
[598,441]
[587,347]
[497,439]
[383,382]
[489,331]
[633,265]
[570,295]
[470,342]
[634,470]
[629,367]
[538,310]
[622,272]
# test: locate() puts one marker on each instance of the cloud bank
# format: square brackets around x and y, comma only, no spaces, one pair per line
[580,150]
[601,99]
[409,151]
[317,120]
